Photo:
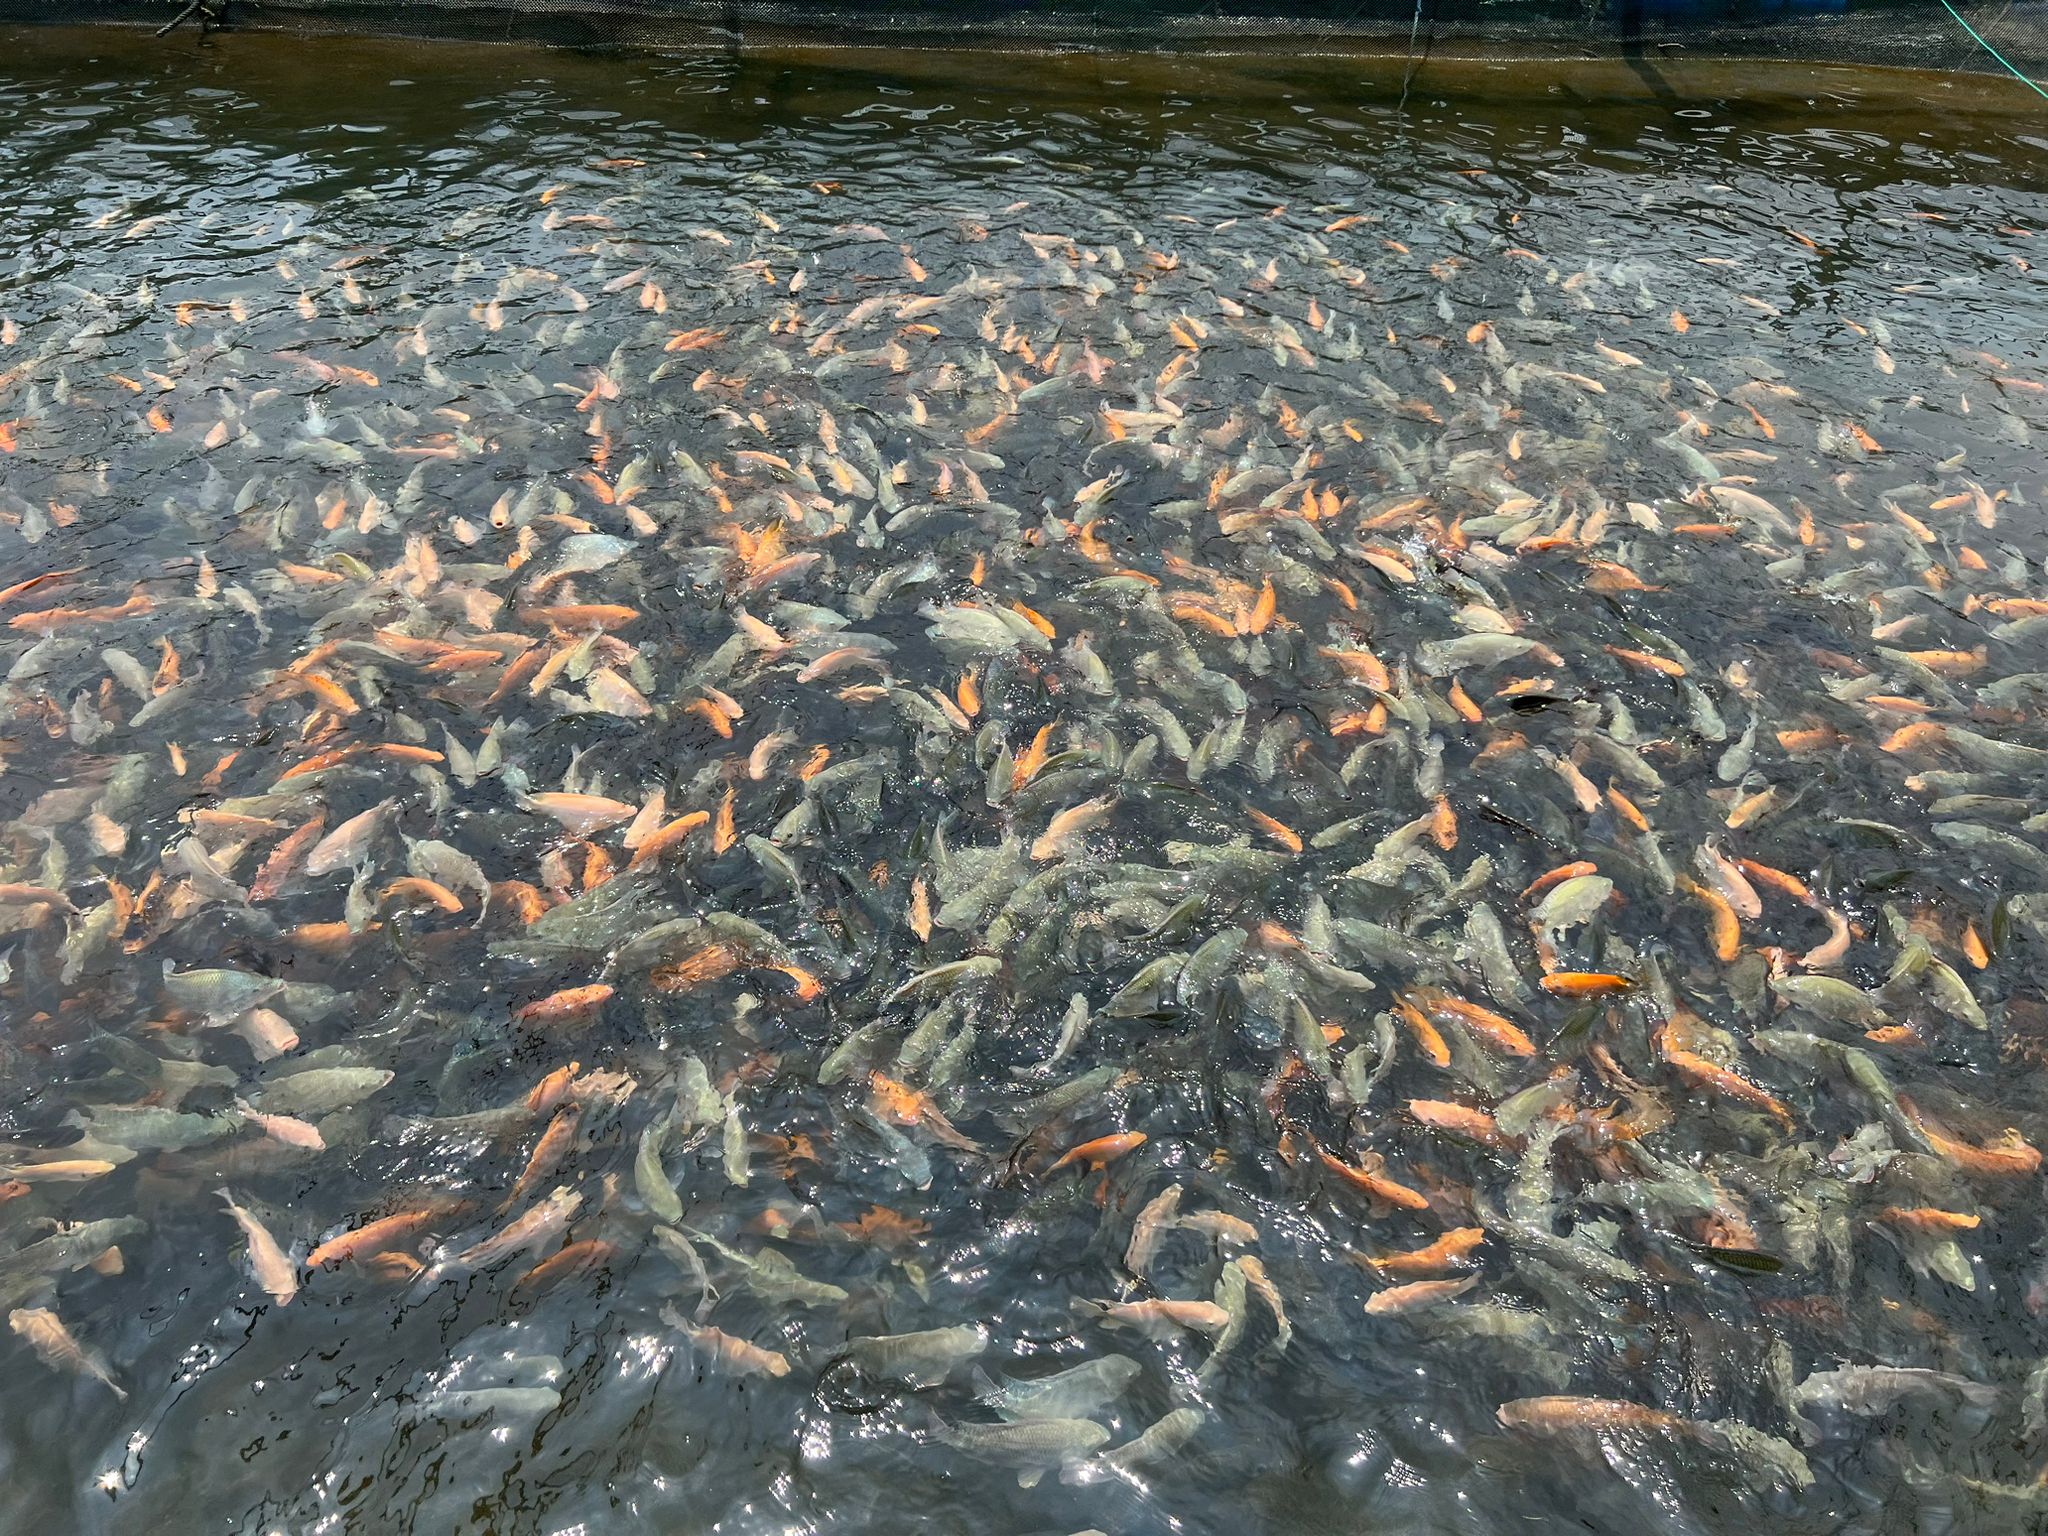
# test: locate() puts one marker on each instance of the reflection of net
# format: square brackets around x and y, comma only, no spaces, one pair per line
[1916,33]
[2026,1032]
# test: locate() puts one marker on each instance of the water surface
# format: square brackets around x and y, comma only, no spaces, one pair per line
[1048,515]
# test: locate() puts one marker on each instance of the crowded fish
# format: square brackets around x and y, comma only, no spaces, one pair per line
[1021,836]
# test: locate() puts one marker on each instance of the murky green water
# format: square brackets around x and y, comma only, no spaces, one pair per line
[680,676]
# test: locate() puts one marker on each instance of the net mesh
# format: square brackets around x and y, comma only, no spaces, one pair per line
[1908,33]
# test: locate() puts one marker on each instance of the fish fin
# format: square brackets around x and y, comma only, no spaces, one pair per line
[985,1385]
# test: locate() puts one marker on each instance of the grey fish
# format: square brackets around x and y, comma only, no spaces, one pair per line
[1160,1441]
[1033,1448]
[917,1359]
[1864,1390]
[1067,1394]
[321,1089]
[29,1268]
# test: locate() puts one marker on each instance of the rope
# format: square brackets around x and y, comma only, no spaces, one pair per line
[2008,63]
[1408,77]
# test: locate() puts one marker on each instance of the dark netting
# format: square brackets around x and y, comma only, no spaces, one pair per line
[1910,33]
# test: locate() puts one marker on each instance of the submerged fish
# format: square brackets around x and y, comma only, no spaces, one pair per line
[56,1348]
[273,1270]
[1045,759]
[1069,1394]
[1034,1447]
[917,1359]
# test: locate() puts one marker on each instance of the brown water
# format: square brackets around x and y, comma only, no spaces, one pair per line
[1086,572]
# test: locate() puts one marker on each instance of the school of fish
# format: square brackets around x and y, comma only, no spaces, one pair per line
[1005,828]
